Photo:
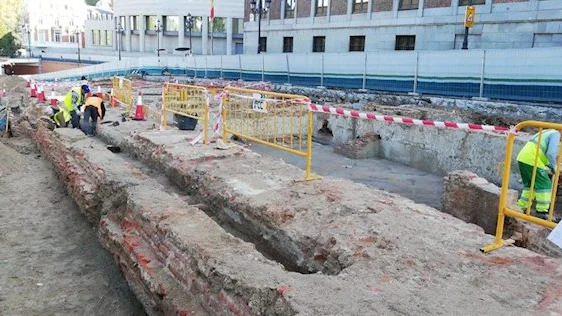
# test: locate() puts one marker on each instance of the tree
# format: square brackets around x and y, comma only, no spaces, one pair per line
[92,2]
[8,45]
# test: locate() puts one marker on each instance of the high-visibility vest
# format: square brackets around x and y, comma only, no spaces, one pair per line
[96,102]
[528,153]
[62,116]
[68,98]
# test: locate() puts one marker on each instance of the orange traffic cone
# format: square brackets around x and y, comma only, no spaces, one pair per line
[139,111]
[33,93]
[99,94]
[54,100]
[41,95]
[28,83]
[112,100]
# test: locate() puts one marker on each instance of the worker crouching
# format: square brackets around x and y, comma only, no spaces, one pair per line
[72,102]
[92,109]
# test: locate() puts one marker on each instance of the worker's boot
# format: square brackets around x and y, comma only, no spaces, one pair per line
[544,215]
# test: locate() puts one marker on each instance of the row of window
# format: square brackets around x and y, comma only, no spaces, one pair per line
[360,6]
[171,24]
[356,43]
[101,38]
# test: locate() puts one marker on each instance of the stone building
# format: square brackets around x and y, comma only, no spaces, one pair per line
[142,33]
[299,26]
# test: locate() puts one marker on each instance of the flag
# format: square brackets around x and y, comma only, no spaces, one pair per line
[212,15]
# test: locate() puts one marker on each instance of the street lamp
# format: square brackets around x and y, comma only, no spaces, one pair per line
[27,30]
[465,40]
[158,27]
[189,25]
[77,33]
[259,9]
[119,30]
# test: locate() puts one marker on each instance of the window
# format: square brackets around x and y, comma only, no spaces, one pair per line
[405,42]
[237,26]
[360,6]
[357,43]
[263,44]
[122,21]
[93,37]
[287,44]
[321,8]
[319,44]
[102,38]
[197,25]
[408,5]
[57,37]
[71,39]
[219,25]
[170,23]
[289,9]
[108,38]
[134,23]
[465,2]
[150,23]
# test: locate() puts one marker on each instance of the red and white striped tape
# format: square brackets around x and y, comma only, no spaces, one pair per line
[404,120]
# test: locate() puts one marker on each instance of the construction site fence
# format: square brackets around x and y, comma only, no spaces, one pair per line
[511,74]
[505,210]
[186,100]
[280,121]
[123,91]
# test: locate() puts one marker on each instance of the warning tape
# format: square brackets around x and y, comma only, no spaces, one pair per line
[404,120]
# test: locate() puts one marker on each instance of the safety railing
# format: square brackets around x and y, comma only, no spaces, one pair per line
[280,121]
[539,186]
[186,100]
[122,92]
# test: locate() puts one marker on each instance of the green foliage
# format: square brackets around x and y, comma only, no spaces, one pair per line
[219,25]
[10,14]
[8,45]
[91,2]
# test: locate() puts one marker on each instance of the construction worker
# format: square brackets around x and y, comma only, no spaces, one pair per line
[73,100]
[92,109]
[546,166]
[60,117]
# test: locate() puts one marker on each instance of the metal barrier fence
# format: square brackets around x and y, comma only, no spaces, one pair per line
[280,121]
[123,91]
[189,101]
[537,189]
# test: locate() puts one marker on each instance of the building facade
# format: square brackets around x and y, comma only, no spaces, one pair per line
[53,23]
[142,33]
[366,25]
[100,27]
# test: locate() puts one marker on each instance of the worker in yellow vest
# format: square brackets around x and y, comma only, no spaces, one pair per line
[73,100]
[546,166]
[59,115]
[92,109]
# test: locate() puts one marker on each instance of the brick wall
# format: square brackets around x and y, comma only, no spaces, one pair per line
[275,13]
[338,7]
[382,5]
[303,9]
[473,199]
[437,3]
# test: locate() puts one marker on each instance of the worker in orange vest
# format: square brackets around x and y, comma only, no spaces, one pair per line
[92,109]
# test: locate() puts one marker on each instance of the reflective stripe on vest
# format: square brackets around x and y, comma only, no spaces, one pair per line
[68,98]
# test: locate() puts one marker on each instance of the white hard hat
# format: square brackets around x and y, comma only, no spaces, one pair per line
[48,111]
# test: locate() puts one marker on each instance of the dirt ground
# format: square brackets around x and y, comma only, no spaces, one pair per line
[50,260]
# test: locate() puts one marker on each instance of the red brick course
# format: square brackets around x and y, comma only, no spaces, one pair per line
[437,3]
[338,7]
[382,5]
[303,9]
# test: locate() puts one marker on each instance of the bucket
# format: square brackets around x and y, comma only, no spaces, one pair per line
[185,123]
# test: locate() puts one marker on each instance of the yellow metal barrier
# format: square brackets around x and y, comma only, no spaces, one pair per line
[189,101]
[123,92]
[506,210]
[151,114]
[280,121]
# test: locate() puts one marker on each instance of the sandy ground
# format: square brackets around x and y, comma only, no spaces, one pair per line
[50,260]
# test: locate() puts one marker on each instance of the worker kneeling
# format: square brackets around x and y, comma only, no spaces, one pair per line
[546,166]
[92,109]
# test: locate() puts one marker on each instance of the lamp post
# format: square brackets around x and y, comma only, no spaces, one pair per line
[259,9]
[465,40]
[158,27]
[189,25]
[119,30]
[77,33]
[27,30]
